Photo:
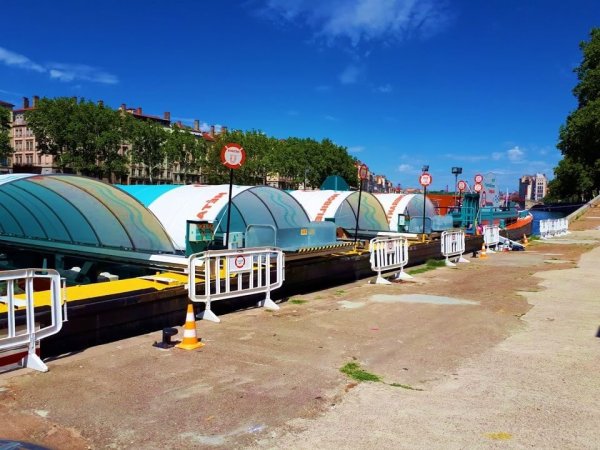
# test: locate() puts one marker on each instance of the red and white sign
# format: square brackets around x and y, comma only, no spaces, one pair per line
[483,200]
[478,179]
[425,179]
[240,263]
[478,187]
[363,172]
[233,156]
[462,185]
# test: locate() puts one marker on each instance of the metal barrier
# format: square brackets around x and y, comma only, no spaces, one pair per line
[389,253]
[16,339]
[234,273]
[553,227]
[491,237]
[453,245]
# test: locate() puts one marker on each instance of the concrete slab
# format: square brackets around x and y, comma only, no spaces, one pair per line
[420,298]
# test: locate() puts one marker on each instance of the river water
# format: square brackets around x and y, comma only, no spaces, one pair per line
[543,215]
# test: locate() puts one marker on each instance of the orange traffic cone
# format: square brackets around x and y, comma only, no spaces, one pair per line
[525,241]
[483,253]
[190,340]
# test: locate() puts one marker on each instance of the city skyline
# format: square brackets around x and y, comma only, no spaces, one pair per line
[401,84]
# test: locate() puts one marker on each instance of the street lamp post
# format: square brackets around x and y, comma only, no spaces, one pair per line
[456,171]
[424,170]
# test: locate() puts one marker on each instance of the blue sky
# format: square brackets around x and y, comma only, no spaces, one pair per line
[484,85]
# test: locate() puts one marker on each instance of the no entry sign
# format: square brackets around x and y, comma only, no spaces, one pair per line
[462,185]
[425,179]
[233,156]
[363,172]
[240,263]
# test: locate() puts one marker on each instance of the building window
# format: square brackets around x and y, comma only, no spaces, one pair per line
[29,145]
[40,160]
[29,158]
[19,159]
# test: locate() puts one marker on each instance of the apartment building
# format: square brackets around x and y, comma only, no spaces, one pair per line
[533,187]
[27,157]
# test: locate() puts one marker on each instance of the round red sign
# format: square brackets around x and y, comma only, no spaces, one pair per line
[478,187]
[240,261]
[233,156]
[363,172]
[462,185]
[425,179]
[478,178]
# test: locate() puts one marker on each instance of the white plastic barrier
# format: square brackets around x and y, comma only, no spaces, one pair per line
[553,227]
[491,237]
[235,273]
[29,335]
[389,253]
[453,246]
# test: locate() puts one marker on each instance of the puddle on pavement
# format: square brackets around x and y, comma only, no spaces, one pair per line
[351,305]
[420,298]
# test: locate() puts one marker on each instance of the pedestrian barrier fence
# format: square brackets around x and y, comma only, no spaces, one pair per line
[453,246]
[550,228]
[17,337]
[234,273]
[491,237]
[389,253]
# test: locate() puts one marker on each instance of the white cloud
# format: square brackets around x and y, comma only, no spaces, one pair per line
[405,168]
[13,59]
[496,156]
[58,71]
[383,89]
[70,72]
[360,21]
[515,154]
[356,149]
[350,75]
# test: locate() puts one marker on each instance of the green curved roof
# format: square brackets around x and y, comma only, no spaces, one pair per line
[76,210]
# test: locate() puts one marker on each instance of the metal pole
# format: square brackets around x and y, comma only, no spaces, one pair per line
[229,207]
[358,211]
[455,189]
[424,200]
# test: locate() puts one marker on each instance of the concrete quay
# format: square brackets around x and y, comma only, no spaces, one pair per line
[500,352]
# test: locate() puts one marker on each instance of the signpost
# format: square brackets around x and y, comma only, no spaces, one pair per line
[233,157]
[363,173]
[425,180]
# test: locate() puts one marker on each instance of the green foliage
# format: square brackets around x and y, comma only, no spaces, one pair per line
[354,371]
[431,264]
[298,301]
[5,148]
[96,140]
[577,176]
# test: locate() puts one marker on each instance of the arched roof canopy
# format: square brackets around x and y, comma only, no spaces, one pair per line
[341,207]
[409,205]
[251,205]
[69,209]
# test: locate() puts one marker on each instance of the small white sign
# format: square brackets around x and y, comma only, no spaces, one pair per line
[240,263]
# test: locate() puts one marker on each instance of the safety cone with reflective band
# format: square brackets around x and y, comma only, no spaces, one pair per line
[190,339]
[483,254]
[525,241]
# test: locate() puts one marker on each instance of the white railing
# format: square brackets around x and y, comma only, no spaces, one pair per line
[491,237]
[16,339]
[229,274]
[453,246]
[550,228]
[389,253]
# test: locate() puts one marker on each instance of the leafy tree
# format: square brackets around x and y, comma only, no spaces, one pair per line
[185,150]
[578,174]
[51,123]
[5,148]
[147,141]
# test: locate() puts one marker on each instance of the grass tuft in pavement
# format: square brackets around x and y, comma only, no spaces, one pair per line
[405,386]
[431,264]
[298,301]
[354,371]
